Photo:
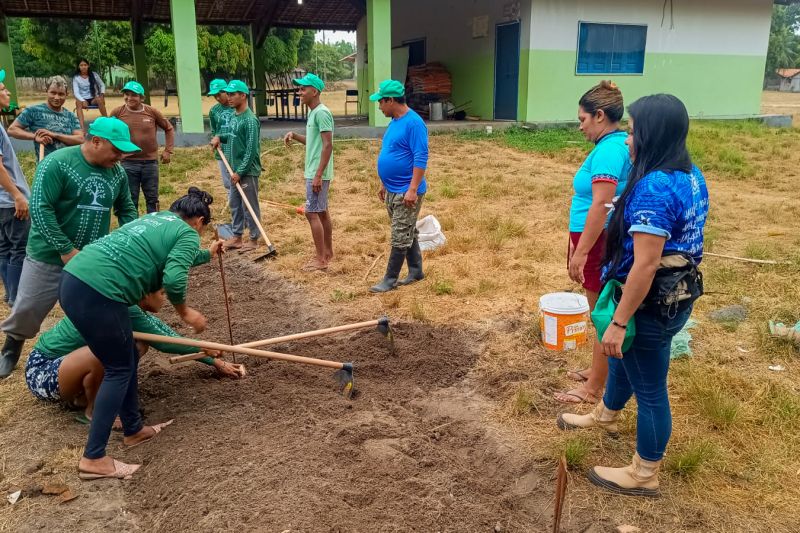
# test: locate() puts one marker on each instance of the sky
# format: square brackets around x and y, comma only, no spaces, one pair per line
[335,36]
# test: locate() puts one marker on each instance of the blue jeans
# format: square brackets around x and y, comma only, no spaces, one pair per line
[143,175]
[643,371]
[106,327]
[13,240]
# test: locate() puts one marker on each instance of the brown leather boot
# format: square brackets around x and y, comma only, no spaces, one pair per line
[640,478]
[602,417]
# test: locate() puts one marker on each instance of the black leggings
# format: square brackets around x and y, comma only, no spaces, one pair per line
[106,327]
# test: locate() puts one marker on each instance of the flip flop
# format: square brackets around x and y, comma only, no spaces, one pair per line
[587,397]
[578,375]
[121,471]
[157,428]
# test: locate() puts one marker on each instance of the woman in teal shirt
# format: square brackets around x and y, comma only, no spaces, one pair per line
[601,177]
[98,286]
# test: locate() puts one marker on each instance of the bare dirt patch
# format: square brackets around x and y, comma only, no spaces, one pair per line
[280,450]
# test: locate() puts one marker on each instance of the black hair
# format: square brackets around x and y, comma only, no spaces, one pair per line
[92,74]
[660,127]
[193,204]
[398,99]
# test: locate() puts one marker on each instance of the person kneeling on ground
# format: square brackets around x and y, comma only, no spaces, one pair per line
[98,286]
[62,368]
[401,168]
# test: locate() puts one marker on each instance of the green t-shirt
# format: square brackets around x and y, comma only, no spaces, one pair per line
[64,338]
[219,117]
[155,250]
[244,137]
[319,119]
[71,204]
[40,116]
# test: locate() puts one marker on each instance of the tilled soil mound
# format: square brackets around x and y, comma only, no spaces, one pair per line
[281,451]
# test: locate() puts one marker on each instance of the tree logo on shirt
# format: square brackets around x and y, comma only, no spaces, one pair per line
[97,189]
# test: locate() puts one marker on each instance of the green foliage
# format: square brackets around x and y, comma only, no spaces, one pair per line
[224,54]
[784,42]
[688,461]
[325,61]
[284,49]
[160,49]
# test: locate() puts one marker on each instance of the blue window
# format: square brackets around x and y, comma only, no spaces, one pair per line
[611,48]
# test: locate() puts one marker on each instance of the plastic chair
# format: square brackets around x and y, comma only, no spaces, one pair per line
[350,97]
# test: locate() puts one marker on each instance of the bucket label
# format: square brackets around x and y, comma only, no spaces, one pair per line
[570,344]
[575,329]
[550,330]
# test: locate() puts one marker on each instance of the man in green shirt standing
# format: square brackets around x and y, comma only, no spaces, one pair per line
[220,117]
[245,159]
[319,168]
[74,191]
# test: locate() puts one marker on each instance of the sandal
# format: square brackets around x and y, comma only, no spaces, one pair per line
[579,375]
[577,395]
[157,428]
[121,471]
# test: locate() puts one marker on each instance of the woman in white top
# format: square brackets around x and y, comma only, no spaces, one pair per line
[89,89]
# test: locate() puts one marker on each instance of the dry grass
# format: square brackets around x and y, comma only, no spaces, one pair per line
[732,463]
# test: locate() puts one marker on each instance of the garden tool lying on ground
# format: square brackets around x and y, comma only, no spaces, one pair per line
[343,375]
[299,209]
[382,324]
[271,252]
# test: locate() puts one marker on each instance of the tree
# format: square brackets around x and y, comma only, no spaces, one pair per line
[325,62]
[285,49]
[784,42]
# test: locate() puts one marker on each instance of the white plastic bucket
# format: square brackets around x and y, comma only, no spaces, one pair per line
[564,320]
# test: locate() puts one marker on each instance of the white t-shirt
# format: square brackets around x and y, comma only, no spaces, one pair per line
[82,88]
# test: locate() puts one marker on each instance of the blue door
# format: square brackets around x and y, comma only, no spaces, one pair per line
[506,71]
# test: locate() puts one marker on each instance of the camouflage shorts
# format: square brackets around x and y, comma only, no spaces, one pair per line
[404,219]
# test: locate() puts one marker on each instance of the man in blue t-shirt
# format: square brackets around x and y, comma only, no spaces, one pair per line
[401,168]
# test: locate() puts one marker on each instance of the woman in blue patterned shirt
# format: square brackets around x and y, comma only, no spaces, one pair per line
[657,223]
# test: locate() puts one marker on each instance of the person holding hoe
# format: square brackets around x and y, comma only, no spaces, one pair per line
[219,118]
[401,168]
[61,368]
[49,124]
[142,166]
[98,287]
[74,191]
[243,140]
[318,141]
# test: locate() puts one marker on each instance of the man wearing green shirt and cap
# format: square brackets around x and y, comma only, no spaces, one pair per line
[144,121]
[319,168]
[243,136]
[74,191]
[219,117]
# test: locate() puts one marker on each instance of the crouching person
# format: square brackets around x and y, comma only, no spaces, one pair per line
[61,368]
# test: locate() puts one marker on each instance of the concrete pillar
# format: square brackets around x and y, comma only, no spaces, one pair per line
[187,65]
[259,77]
[7,62]
[361,70]
[379,52]
[141,68]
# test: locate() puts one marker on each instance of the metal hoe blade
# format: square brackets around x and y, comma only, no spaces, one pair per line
[272,253]
[344,380]
[385,329]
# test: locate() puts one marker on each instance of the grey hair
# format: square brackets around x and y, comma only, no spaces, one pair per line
[58,81]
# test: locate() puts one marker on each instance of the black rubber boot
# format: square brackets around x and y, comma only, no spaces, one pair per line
[12,349]
[414,260]
[389,282]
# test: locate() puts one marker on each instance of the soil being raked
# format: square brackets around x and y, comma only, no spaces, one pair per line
[281,451]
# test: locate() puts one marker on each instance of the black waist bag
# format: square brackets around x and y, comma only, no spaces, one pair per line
[677,284]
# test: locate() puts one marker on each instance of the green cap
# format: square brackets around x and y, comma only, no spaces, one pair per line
[389,89]
[2,75]
[134,87]
[237,86]
[115,131]
[216,86]
[310,80]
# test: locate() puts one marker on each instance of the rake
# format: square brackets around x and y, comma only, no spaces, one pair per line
[343,374]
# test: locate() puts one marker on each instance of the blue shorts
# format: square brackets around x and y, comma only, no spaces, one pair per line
[41,375]
[317,202]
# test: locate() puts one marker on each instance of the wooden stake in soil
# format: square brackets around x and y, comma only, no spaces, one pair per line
[366,274]
[227,305]
[561,492]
